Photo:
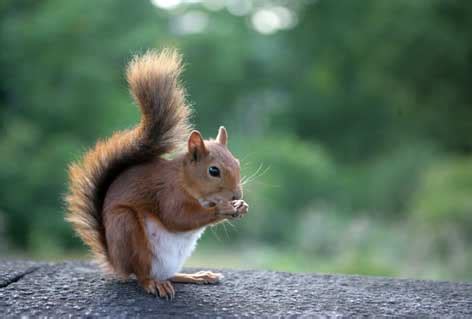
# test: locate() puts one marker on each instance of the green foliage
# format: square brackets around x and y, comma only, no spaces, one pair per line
[353,124]
[444,196]
[384,186]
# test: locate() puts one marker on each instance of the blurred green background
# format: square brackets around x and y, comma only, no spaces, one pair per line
[353,119]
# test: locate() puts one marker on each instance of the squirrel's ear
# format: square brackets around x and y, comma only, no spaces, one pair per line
[196,145]
[222,137]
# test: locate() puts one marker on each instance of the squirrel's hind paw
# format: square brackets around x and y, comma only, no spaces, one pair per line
[199,278]
[163,289]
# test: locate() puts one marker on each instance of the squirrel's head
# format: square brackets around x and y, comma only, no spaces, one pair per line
[211,172]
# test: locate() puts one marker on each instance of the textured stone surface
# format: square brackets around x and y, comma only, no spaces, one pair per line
[79,289]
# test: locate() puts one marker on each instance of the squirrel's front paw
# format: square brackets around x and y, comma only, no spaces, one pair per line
[241,207]
[226,209]
[233,209]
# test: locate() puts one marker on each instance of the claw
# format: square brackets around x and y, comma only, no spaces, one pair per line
[163,289]
[169,289]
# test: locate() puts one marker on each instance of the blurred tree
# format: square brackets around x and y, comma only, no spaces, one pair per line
[353,106]
[374,74]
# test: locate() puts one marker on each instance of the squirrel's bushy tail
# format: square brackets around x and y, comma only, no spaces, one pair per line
[153,79]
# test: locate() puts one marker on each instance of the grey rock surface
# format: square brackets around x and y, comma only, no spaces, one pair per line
[79,289]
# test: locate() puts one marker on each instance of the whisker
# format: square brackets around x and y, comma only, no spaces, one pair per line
[231,224]
[226,231]
[262,173]
[246,156]
[252,175]
[258,173]
[214,233]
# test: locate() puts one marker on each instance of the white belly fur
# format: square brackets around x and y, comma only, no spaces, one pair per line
[170,250]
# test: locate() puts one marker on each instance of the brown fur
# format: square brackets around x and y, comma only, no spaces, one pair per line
[153,81]
[124,181]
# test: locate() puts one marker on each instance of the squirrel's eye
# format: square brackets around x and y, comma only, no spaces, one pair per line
[214,171]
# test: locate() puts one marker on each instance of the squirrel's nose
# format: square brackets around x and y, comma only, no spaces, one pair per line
[237,195]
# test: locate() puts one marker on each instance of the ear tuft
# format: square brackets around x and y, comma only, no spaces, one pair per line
[196,145]
[222,137]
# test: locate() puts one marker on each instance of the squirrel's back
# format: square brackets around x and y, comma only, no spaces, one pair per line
[153,79]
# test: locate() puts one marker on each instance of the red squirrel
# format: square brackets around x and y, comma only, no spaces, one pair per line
[140,212]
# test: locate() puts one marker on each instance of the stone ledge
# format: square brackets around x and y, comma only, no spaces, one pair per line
[79,289]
